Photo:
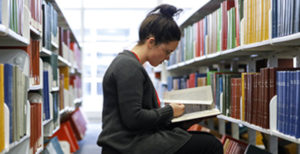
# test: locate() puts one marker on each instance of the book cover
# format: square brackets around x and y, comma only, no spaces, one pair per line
[65,133]
[78,124]
[279,99]
[46,95]
[293,104]
[53,146]
[8,95]
[193,97]
[2,120]
[274,18]
[297,112]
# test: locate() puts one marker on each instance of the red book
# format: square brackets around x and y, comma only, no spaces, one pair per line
[237,22]
[238,98]
[201,37]
[226,5]
[78,124]
[65,133]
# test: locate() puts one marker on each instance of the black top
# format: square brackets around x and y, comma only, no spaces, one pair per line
[132,121]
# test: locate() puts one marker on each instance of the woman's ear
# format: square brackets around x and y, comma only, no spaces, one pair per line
[150,42]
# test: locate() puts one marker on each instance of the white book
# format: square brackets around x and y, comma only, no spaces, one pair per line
[198,102]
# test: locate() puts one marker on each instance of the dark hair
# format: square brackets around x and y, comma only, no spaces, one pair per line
[160,24]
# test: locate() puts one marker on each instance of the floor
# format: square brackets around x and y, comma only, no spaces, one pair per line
[88,144]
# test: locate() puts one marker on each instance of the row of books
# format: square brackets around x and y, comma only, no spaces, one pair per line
[247,96]
[285,17]
[77,55]
[13,92]
[36,13]
[50,32]
[36,137]
[235,23]
[232,145]
[288,99]
[190,81]
[14,16]
[72,129]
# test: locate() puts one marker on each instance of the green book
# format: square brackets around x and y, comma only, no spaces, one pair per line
[233,34]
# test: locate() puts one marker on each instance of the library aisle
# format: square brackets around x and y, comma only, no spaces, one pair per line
[88,144]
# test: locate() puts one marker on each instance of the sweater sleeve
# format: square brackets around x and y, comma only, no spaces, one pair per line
[130,96]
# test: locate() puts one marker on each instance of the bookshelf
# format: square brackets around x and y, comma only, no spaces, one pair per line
[11,38]
[36,45]
[253,48]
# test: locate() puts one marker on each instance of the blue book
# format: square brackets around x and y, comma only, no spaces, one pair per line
[287,102]
[279,96]
[217,95]
[297,121]
[222,107]
[284,101]
[53,147]
[170,83]
[292,104]
[55,106]
[274,18]
[46,96]
[8,95]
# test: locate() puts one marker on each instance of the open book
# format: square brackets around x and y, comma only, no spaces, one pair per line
[198,103]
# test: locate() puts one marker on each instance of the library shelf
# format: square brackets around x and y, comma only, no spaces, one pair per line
[266,47]
[62,21]
[35,32]
[286,137]
[237,121]
[16,143]
[63,62]
[66,109]
[202,9]
[77,100]
[45,52]
[52,132]
[35,87]
[39,150]
[289,40]
[45,122]
[55,89]
[54,44]
[11,38]
[260,129]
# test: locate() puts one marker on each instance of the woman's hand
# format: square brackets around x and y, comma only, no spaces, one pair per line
[178,109]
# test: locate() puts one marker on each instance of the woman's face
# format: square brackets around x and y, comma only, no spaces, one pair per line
[162,52]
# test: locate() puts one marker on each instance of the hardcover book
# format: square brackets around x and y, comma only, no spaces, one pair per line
[198,103]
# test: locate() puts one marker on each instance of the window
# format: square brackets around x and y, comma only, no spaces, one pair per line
[101,70]
[99,88]
[88,88]
[87,71]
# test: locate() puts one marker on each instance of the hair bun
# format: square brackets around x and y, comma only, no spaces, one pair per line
[166,10]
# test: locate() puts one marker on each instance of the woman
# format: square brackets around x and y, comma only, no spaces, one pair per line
[133,121]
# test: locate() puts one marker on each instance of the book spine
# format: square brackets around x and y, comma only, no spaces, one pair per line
[297,114]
